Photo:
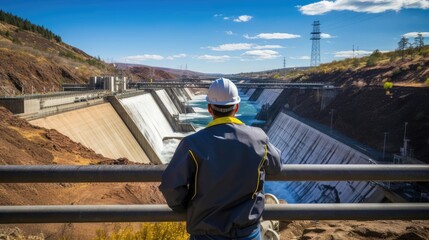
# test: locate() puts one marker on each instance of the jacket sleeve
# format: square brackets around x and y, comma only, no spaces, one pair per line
[273,164]
[176,178]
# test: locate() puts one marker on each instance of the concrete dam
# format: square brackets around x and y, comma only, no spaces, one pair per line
[146,127]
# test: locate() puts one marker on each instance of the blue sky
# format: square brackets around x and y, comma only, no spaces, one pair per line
[226,36]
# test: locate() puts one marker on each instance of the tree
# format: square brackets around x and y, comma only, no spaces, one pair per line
[24,24]
[402,45]
[419,41]
[373,58]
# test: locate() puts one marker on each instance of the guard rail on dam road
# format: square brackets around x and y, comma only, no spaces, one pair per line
[159,213]
[271,85]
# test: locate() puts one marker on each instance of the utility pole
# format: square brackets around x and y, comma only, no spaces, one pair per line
[384,144]
[353,51]
[332,118]
[405,141]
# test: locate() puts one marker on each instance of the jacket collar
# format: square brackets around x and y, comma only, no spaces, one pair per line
[224,120]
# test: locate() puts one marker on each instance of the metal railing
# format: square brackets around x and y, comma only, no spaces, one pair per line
[142,213]
[141,173]
[270,85]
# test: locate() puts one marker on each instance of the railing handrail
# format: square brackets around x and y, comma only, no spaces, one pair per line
[162,213]
[159,213]
[153,173]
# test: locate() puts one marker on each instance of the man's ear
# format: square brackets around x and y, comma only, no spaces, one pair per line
[209,108]
[236,108]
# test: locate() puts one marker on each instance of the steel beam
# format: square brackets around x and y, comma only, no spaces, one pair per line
[272,85]
[142,173]
[161,213]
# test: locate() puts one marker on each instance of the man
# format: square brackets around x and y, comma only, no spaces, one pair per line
[217,174]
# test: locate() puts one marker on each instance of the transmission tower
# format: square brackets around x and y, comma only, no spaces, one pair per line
[315,44]
[284,66]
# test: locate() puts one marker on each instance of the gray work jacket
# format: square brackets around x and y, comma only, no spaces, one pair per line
[217,176]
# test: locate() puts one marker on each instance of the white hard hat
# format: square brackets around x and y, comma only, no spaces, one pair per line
[223,92]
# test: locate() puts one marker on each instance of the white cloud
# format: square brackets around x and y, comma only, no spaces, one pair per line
[243,18]
[214,58]
[261,54]
[242,46]
[414,34]
[226,18]
[229,33]
[267,47]
[301,58]
[273,36]
[368,6]
[182,55]
[232,47]
[218,15]
[349,54]
[326,35]
[144,57]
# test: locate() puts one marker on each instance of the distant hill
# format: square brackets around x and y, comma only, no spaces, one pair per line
[405,68]
[140,72]
[271,74]
[33,59]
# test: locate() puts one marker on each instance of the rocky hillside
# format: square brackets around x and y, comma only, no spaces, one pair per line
[31,62]
[373,99]
[24,144]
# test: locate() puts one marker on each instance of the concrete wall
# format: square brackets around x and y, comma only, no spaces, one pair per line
[15,105]
[164,109]
[255,95]
[170,111]
[138,135]
[179,100]
[301,144]
[268,96]
[99,128]
[34,103]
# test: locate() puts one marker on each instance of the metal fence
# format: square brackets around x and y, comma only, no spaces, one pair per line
[142,213]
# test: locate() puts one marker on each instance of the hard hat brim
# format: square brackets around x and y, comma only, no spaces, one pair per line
[236,101]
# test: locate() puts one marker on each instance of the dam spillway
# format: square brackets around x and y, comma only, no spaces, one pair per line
[98,127]
[301,144]
[156,115]
[151,121]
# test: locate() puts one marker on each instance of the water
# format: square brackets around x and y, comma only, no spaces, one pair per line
[150,120]
[168,103]
[246,113]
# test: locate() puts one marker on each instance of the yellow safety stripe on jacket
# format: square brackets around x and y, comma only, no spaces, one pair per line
[196,173]
[259,171]
[224,120]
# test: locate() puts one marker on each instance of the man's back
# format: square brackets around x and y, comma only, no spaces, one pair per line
[223,167]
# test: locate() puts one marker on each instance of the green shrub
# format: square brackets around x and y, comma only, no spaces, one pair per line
[396,72]
[355,62]
[16,41]
[147,231]
[373,58]
[427,81]
[388,85]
